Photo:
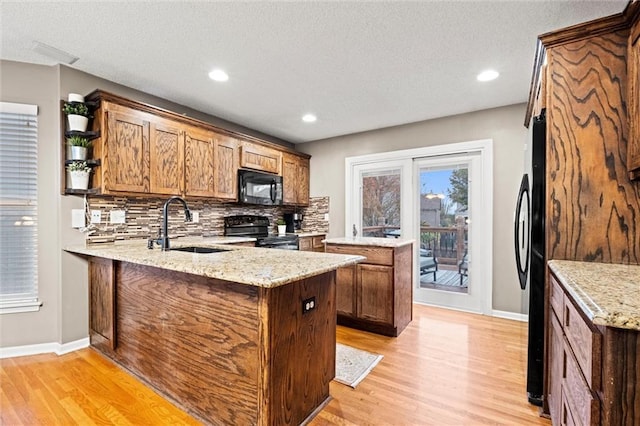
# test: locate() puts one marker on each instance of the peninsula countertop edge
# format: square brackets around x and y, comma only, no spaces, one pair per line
[259,267]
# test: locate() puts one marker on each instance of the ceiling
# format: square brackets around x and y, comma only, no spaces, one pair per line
[356,65]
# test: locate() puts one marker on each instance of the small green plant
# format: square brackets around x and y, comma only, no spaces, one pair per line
[76,108]
[79,141]
[79,166]
[280,222]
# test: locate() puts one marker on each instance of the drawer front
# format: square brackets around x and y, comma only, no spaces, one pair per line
[585,343]
[305,244]
[317,243]
[374,255]
[584,406]
[556,296]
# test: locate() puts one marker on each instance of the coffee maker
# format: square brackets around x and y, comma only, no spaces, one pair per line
[293,221]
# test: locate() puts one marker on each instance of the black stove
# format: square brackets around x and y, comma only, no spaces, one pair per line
[258,227]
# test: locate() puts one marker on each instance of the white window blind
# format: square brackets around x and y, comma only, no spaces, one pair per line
[18,207]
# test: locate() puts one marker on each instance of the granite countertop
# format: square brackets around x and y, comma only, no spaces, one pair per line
[258,267]
[303,234]
[609,294]
[369,241]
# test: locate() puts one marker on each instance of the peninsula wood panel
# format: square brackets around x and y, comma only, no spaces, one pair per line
[299,340]
[593,207]
[226,162]
[126,152]
[346,291]
[199,168]
[166,158]
[102,307]
[193,338]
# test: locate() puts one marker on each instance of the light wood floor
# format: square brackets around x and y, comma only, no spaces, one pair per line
[446,368]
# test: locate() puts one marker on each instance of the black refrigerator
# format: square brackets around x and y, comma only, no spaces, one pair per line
[529,238]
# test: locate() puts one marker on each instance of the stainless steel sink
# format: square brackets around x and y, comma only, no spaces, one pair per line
[195,249]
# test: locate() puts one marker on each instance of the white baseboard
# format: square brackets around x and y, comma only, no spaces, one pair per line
[510,315]
[44,348]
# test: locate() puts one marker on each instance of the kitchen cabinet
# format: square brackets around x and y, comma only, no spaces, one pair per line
[312,243]
[198,165]
[258,157]
[377,294]
[226,161]
[592,368]
[295,180]
[633,99]
[102,309]
[166,157]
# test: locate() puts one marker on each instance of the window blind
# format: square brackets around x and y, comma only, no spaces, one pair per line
[18,206]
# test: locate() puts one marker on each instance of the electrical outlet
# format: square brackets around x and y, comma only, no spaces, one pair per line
[77,218]
[308,305]
[117,216]
[96,216]
[326,217]
[195,217]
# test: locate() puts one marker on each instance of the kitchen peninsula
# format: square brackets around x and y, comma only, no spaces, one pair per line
[241,336]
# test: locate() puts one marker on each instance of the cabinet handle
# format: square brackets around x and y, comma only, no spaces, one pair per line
[567,315]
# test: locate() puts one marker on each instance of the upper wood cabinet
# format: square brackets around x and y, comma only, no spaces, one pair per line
[295,179]
[144,150]
[198,164]
[258,157]
[633,100]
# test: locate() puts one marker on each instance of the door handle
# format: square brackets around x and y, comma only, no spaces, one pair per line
[355,230]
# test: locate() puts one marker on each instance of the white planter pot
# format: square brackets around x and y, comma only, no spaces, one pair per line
[78,153]
[78,122]
[74,97]
[79,180]
[282,229]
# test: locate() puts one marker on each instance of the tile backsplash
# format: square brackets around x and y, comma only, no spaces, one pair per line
[144,217]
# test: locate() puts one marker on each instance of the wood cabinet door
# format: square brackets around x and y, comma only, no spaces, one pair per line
[166,158]
[374,291]
[289,179]
[556,369]
[303,182]
[633,64]
[345,291]
[126,152]
[258,157]
[226,162]
[305,243]
[198,164]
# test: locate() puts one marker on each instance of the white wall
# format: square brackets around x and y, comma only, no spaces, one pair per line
[503,125]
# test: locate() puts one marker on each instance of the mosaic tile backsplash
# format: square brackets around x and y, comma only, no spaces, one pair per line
[144,217]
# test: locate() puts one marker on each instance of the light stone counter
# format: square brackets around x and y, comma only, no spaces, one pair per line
[245,265]
[303,234]
[608,294]
[370,241]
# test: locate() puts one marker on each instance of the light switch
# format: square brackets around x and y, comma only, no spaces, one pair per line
[195,217]
[326,217]
[117,216]
[77,218]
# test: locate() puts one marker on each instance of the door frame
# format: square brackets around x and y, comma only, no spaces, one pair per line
[484,221]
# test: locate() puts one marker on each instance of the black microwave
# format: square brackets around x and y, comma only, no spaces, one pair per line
[259,188]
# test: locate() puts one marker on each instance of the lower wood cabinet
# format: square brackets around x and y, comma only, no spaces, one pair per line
[312,243]
[593,371]
[102,302]
[376,295]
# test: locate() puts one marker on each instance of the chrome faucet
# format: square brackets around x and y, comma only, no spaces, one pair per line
[163,235]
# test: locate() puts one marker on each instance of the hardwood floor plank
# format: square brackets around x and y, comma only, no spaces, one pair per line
[446,368]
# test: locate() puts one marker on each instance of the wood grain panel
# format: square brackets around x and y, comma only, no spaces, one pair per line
[226,167]
[403,287]
[199,166]
[166,162]
[258,157]
[633,99]
[583,404]
[194,339]
[621,372]
[102,291]
[586,343]
[374,255]
[126,153]
[593,208]
[375,293]
[556,367]
[305,244]
[299,340]
[556,297]
[289,179]
[303,181]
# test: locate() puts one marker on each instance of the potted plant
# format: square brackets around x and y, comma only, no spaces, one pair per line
[79,173]
[282,226]
[77,114]
[79,147]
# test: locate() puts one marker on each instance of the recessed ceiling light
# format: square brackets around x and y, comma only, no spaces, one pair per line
[488,75]
[309,118]
[218,75]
